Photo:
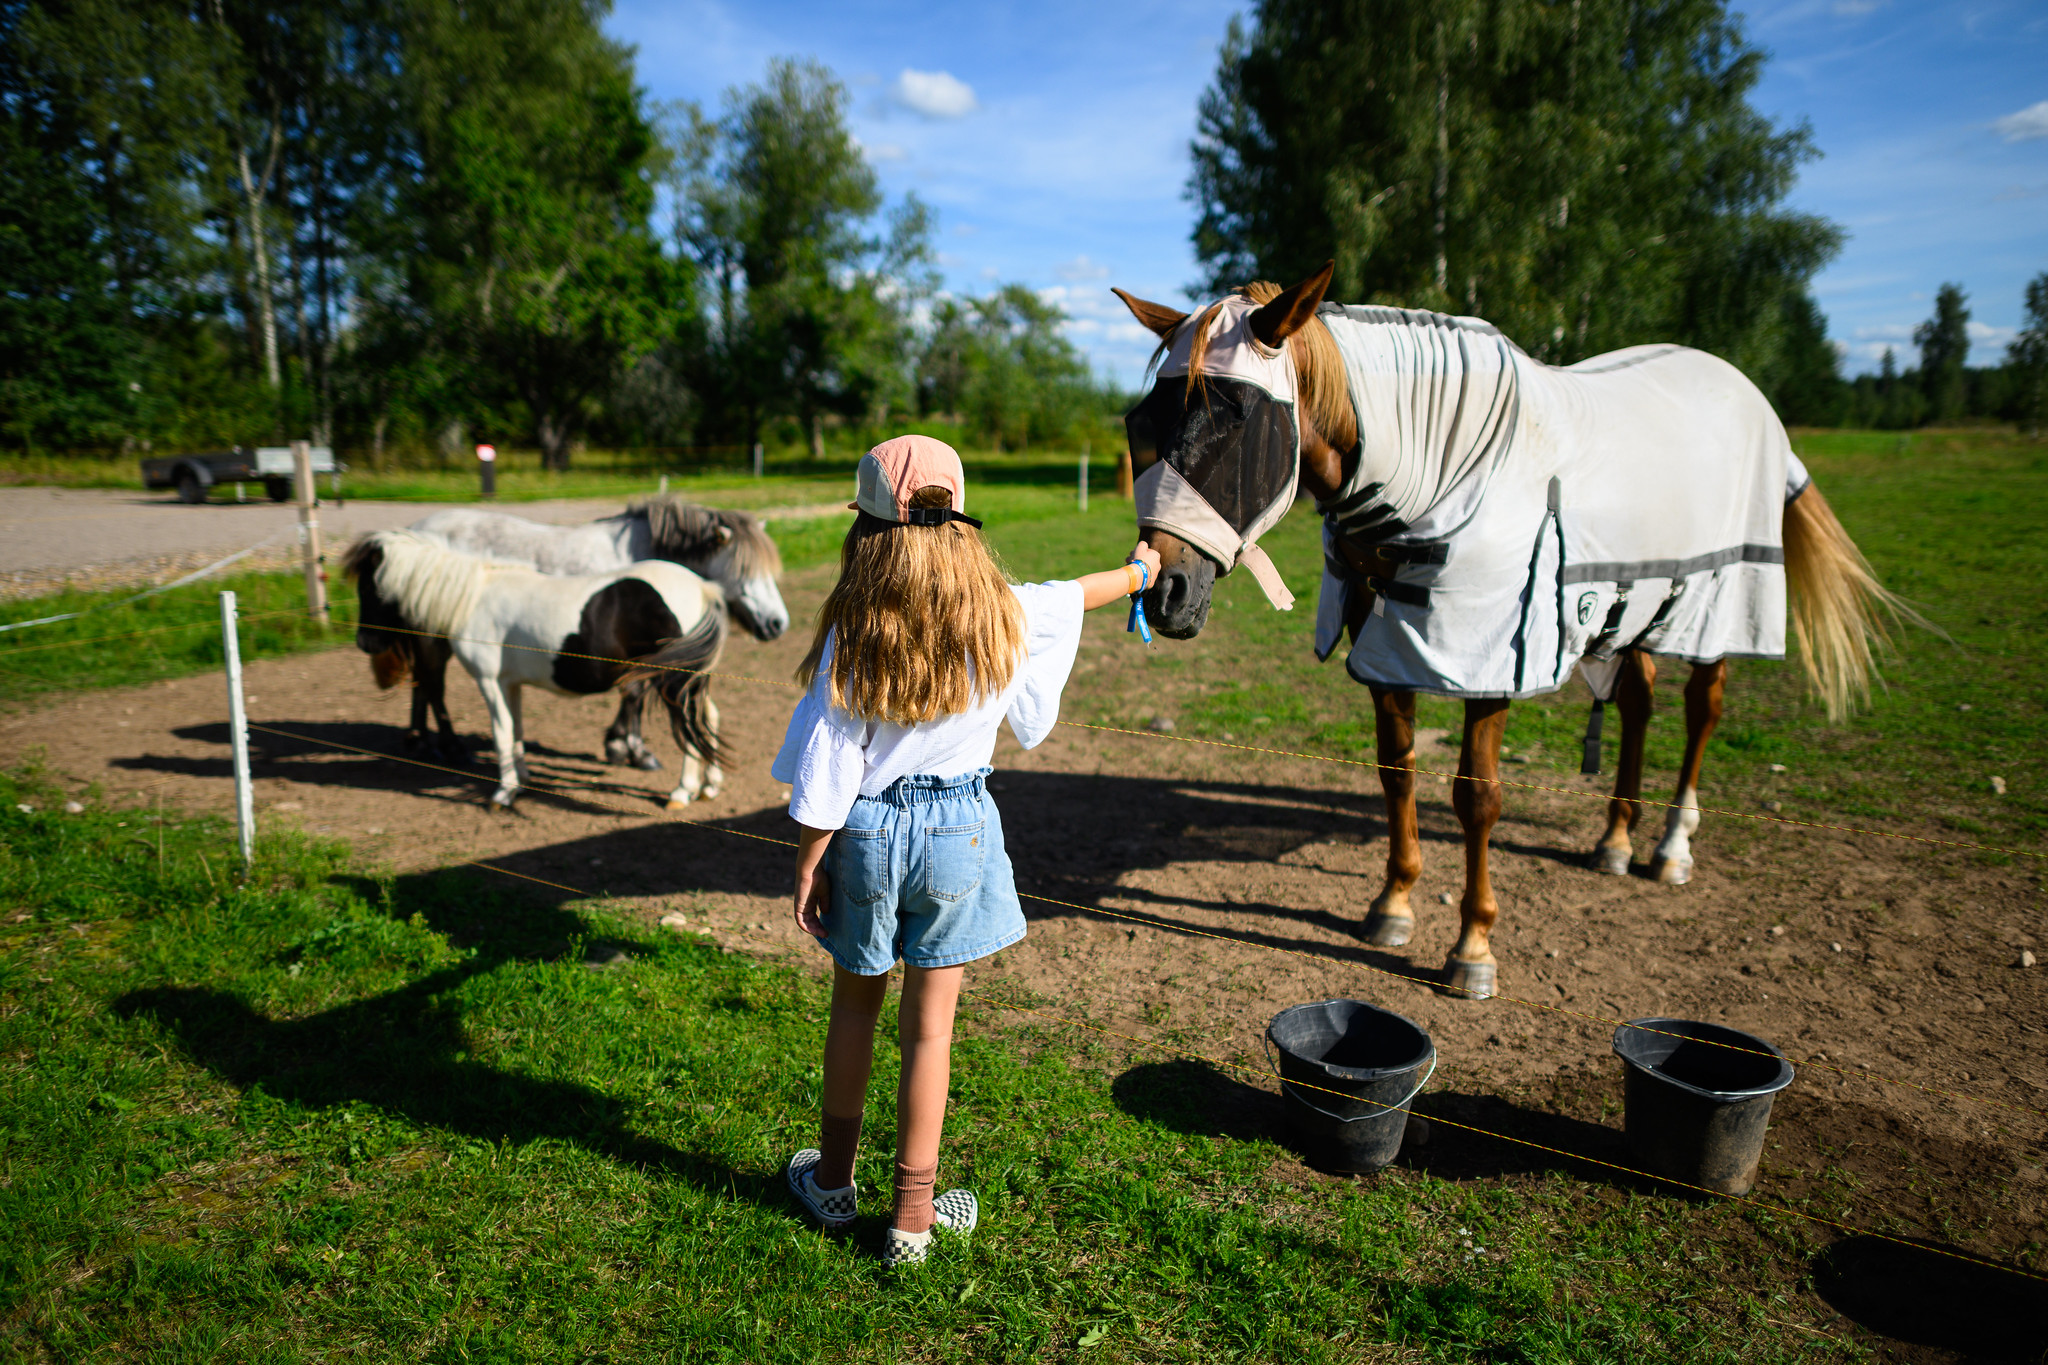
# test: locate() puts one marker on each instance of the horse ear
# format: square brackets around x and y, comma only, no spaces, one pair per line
[724,534]
[1157,317]
[1292,307]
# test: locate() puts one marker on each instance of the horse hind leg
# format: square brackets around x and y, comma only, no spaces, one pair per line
[701,777]
[1672,862]
[1470,970]
[623,744]
[1634,697]
[1391,921]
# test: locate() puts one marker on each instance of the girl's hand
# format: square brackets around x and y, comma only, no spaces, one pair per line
[1101,589]
[813,899]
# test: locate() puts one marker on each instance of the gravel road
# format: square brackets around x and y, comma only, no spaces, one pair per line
[55,538]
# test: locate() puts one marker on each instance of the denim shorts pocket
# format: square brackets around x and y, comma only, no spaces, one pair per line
[952,860]
[860,862]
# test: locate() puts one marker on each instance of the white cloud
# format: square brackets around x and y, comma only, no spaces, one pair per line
[1081,268]
[2025,125]
[1856,9]
[2012,192]
[935,94]
[989,272]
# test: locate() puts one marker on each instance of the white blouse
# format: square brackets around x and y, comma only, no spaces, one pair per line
[830,757]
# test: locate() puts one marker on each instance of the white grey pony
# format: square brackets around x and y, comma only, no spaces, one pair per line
[730,548]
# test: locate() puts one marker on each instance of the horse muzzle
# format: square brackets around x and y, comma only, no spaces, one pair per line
[1178,604]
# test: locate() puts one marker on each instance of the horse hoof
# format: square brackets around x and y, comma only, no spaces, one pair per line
[678,801]
[502,799]
[1473,980]
[711,789]
[1387,931]
[647,763]
[1673,871]
[1612,861]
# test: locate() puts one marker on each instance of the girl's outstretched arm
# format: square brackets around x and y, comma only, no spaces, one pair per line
[813,885]
[1100,589]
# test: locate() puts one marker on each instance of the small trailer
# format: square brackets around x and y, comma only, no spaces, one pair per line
[271,466]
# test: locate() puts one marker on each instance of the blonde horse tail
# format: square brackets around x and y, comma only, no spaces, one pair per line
[1839,610]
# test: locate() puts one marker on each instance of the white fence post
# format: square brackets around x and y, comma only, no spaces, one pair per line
[757,459]
[1084,476]
[238,732]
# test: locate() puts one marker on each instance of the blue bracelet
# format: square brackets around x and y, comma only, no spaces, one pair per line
[1138,621]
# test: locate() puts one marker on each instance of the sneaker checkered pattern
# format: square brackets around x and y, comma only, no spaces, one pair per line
[957,1211]
[832,1208]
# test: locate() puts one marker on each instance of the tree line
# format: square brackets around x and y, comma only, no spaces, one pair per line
[399,225]
[1586,174]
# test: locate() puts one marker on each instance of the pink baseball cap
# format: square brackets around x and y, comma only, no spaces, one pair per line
[897,468]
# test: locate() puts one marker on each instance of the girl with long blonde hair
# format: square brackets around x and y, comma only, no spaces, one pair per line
[923,648]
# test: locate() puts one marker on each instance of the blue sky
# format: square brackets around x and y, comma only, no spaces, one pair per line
[1052,138]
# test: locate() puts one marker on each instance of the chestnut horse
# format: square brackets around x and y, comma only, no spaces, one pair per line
[1490,522]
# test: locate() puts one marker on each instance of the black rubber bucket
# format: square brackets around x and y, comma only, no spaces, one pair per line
[1699,1099]
[1347,1072]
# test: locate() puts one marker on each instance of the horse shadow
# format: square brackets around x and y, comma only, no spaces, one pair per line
[1925,1293]
[409,1053]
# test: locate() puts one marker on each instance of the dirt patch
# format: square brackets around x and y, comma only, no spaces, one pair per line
[1919,1102]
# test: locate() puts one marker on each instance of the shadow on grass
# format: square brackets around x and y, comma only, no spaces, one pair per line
[1923,1294]
[409,1053]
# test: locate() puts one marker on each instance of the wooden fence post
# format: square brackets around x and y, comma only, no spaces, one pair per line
[309,531]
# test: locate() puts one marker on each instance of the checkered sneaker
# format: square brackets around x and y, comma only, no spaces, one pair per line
[957,1211]
[832,1208]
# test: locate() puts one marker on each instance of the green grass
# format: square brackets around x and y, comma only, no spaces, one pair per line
[401,1118]
[179,633]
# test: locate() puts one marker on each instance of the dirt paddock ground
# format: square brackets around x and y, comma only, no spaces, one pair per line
[1886,968]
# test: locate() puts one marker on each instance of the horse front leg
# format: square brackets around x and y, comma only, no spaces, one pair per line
[504,738]
[1470,968]
[1391,921]
[623,744]
[1634,696]
[447,745]
[1672,862]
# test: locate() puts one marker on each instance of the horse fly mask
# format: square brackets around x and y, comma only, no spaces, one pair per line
[1226,449]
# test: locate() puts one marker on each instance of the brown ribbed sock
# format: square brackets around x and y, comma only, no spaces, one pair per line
[839,1141]
[914,1197]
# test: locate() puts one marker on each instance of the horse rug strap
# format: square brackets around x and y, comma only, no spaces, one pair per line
[1226,447]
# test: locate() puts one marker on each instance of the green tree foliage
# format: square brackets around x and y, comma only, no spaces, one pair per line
[1809,390]
[1585,173]
[808,296]
[1944,342]
[2027,359]
[1001,365]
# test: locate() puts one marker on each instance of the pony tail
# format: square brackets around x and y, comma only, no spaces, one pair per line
[678,674]
[1838,607]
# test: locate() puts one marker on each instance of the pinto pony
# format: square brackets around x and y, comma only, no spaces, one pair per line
[654,623]
[1489,523]
[730,548]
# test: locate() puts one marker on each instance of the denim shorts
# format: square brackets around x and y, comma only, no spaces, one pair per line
[919,873]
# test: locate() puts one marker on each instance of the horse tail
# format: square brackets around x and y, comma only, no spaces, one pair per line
[678,673]
[1839,609]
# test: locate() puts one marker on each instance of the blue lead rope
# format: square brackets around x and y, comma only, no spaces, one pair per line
[1138,622]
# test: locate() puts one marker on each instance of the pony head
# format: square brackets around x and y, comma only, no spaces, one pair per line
[1216,445]
[391,650]
[732,549]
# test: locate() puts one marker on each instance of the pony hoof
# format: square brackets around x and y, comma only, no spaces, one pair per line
[1473,980]
[678,802]
[1387,931]
[647,763]
[502,799]
[1673,871]
[1612,861]
[711,789]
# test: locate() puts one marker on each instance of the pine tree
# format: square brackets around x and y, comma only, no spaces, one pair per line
[2027,357]
[1944,342]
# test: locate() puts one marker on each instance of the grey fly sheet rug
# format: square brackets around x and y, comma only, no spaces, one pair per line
[1540,516]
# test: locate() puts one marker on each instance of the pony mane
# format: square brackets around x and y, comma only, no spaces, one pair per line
[1325,398]
[684,530]
[433,586]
